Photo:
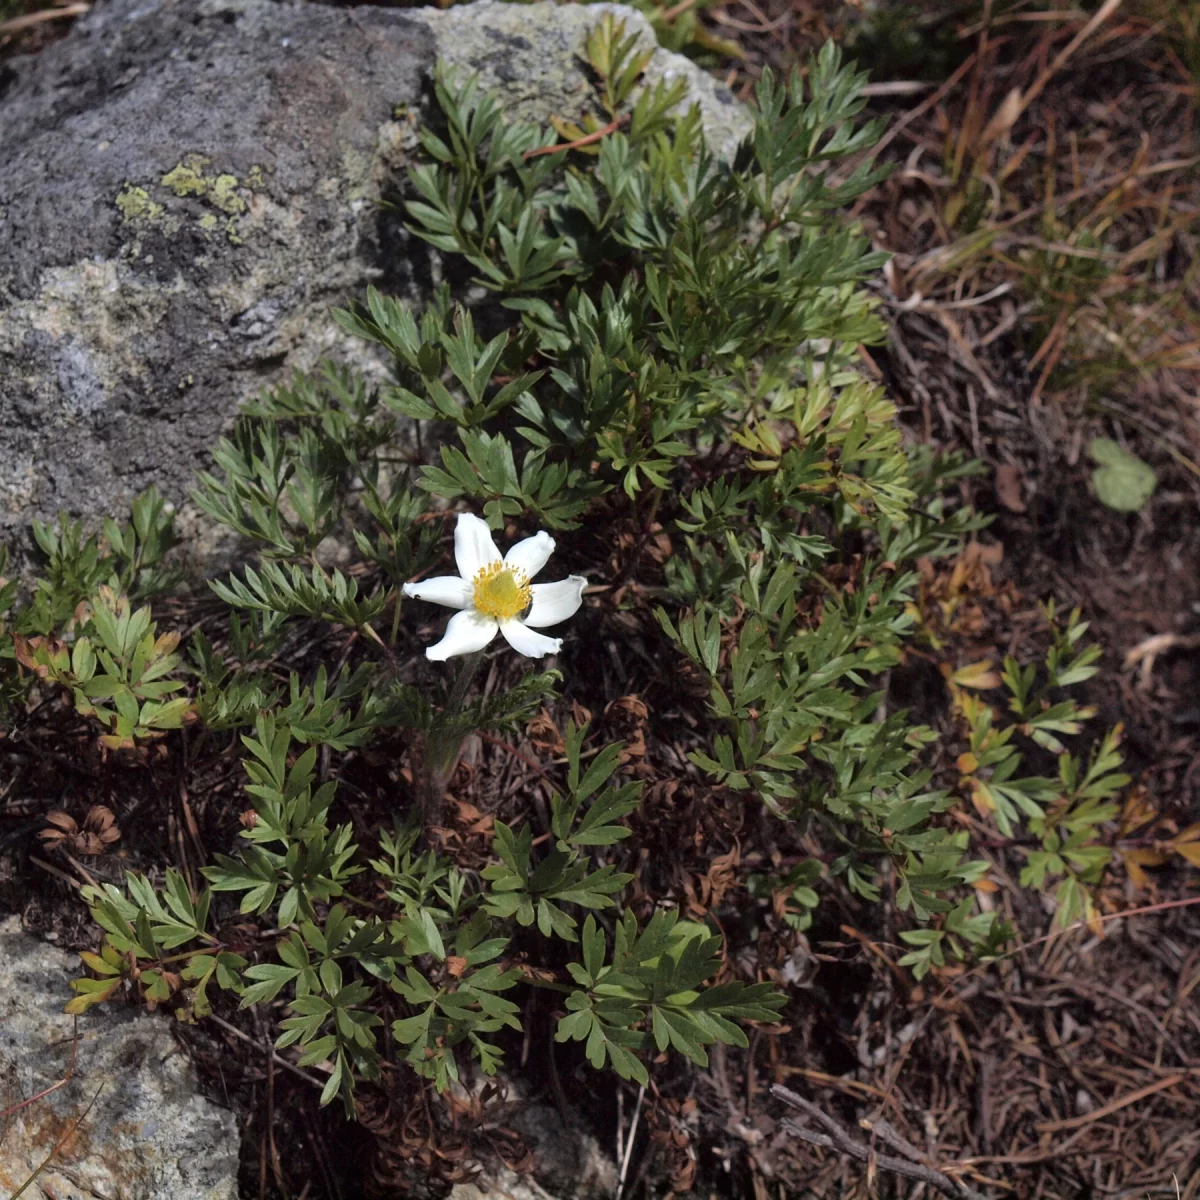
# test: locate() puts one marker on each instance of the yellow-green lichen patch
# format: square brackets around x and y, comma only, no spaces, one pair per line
[210,223]
[188,178]
[256,178]
[191,177]
[135,205]
[223,194]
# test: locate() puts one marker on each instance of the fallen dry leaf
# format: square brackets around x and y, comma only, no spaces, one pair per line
[99,831]
[1008,487]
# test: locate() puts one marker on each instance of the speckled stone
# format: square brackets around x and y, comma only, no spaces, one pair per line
[134,1125]
[531,56]
[188,187]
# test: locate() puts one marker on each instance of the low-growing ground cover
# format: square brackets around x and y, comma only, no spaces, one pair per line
[810,709]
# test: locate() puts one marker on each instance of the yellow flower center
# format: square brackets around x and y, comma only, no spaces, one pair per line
[502,592]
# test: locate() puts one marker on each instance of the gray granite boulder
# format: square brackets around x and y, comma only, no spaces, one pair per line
[187,187]
[129,1123]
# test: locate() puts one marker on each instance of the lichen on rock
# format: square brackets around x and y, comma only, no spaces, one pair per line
[187,177]
[191,186]
[223,193]
[190,177]
[135,204]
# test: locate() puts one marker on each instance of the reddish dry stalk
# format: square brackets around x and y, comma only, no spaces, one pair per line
[578,143]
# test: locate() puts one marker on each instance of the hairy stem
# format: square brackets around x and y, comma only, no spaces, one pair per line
[443,744]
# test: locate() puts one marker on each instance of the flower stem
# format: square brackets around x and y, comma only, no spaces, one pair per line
[647,524]
[443,744]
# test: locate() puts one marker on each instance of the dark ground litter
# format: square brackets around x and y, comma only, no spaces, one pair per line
[1004,350]
[1007,1074]
[1070,1069]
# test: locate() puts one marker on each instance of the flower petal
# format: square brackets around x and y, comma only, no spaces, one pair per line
[444,589]
[467,632]
[473,545]
[530,555]
[525,641]
[555,602]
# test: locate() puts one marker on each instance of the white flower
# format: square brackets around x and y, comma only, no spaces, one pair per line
[494,594]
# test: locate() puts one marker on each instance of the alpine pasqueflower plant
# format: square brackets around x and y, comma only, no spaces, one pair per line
[671,375]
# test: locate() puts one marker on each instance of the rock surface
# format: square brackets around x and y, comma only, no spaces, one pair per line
[187,187]
[147,1135]
[504,1186]
[529,55]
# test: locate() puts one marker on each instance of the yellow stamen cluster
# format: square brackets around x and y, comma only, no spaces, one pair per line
[502,592]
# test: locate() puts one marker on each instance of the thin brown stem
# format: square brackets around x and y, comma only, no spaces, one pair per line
[62,1141]
[8,1112]
[531,763]
[588,140]
[443,744]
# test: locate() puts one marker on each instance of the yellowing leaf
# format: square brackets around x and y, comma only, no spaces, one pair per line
[1136,875]
[1146,858]
[568,130]
[98,964]
[1004,118]
[976,675]
[1138,811]
[1191,852]
[967,763]
[982,798]
[1135,860]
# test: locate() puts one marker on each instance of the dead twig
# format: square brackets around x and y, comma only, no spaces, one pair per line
[1112,1106]
[62,1141]
[531,763]
[1105,11]
[282,1062]
[1143,910]
[920,110]
[633,1128]
[29,20]
[1148,650]
[836,1138]
[8,1112]
[37,862]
